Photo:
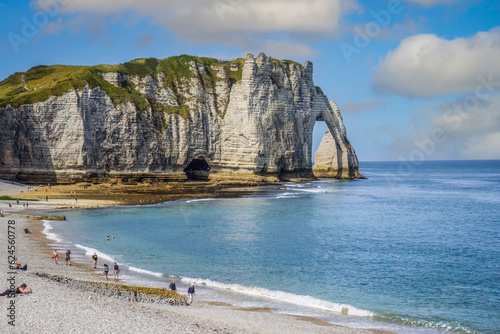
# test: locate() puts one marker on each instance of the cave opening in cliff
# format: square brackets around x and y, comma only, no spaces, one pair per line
[198,169]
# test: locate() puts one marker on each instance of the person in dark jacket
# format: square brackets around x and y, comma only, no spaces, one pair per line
[191,294]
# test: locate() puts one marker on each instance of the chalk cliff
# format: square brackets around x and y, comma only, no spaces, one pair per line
[154,118]
[335,157]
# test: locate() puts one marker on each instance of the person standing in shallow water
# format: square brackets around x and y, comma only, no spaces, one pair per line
[94,258]
[191,294]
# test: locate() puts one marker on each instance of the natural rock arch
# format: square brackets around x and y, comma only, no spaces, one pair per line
[335,157]
[253,119]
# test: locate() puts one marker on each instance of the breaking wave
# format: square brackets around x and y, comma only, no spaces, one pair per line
[287,297]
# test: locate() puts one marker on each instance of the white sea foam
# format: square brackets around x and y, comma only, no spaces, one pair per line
[296,185]
[103,256]
[315,190]
[287,195]
[90,251]
[287,297]
[200,200]
[441,326]
[47,228]
[144,271]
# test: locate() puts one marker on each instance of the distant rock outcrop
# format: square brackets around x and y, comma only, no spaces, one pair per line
[154,118]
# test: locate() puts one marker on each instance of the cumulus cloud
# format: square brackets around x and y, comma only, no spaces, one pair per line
[426,65]
[450,130]
[226,21]
[353,107]
[466,116]
[483,147]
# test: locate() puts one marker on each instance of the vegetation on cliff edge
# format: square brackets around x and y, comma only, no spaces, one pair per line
[39,83]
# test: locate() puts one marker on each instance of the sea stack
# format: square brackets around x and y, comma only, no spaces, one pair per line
[169,119]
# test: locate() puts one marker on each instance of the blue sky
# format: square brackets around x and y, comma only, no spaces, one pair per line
[414,80]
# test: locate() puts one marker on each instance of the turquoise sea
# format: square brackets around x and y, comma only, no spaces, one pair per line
[413,250]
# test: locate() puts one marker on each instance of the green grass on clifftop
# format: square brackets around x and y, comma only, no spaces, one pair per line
[39,83]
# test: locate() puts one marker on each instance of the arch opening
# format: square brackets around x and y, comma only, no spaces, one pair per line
[198,169]
[320,127]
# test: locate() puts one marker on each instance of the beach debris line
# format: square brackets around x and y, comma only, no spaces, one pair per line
[141,294]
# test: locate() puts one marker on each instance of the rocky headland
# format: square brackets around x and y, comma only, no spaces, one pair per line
[181,117]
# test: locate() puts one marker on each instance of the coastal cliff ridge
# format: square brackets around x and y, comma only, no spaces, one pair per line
[170,119]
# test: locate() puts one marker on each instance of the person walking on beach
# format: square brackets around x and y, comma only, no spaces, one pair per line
[116,271]
[94,257]
[68,257]
[55,256]
[191,294]
[106,271]
[173,287]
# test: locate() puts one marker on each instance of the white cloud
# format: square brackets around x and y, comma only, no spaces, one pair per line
[483,147]
[469,116]
[228,21]
[284,48]
[451,130]
[426,65]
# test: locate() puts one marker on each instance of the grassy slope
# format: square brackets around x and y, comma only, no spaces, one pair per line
[42,82]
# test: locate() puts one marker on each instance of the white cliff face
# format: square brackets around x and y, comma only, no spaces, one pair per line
[261,124]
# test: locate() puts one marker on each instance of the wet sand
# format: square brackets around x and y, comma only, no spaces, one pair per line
[104,194]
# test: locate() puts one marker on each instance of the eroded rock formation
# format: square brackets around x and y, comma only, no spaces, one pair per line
[335,157]
[253,116]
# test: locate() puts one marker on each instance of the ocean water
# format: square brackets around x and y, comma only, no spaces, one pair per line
[413,251]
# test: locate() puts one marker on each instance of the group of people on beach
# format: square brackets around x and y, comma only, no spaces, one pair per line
[20,290]
[191,292]
[67,257]
[116,268]
[116,272]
